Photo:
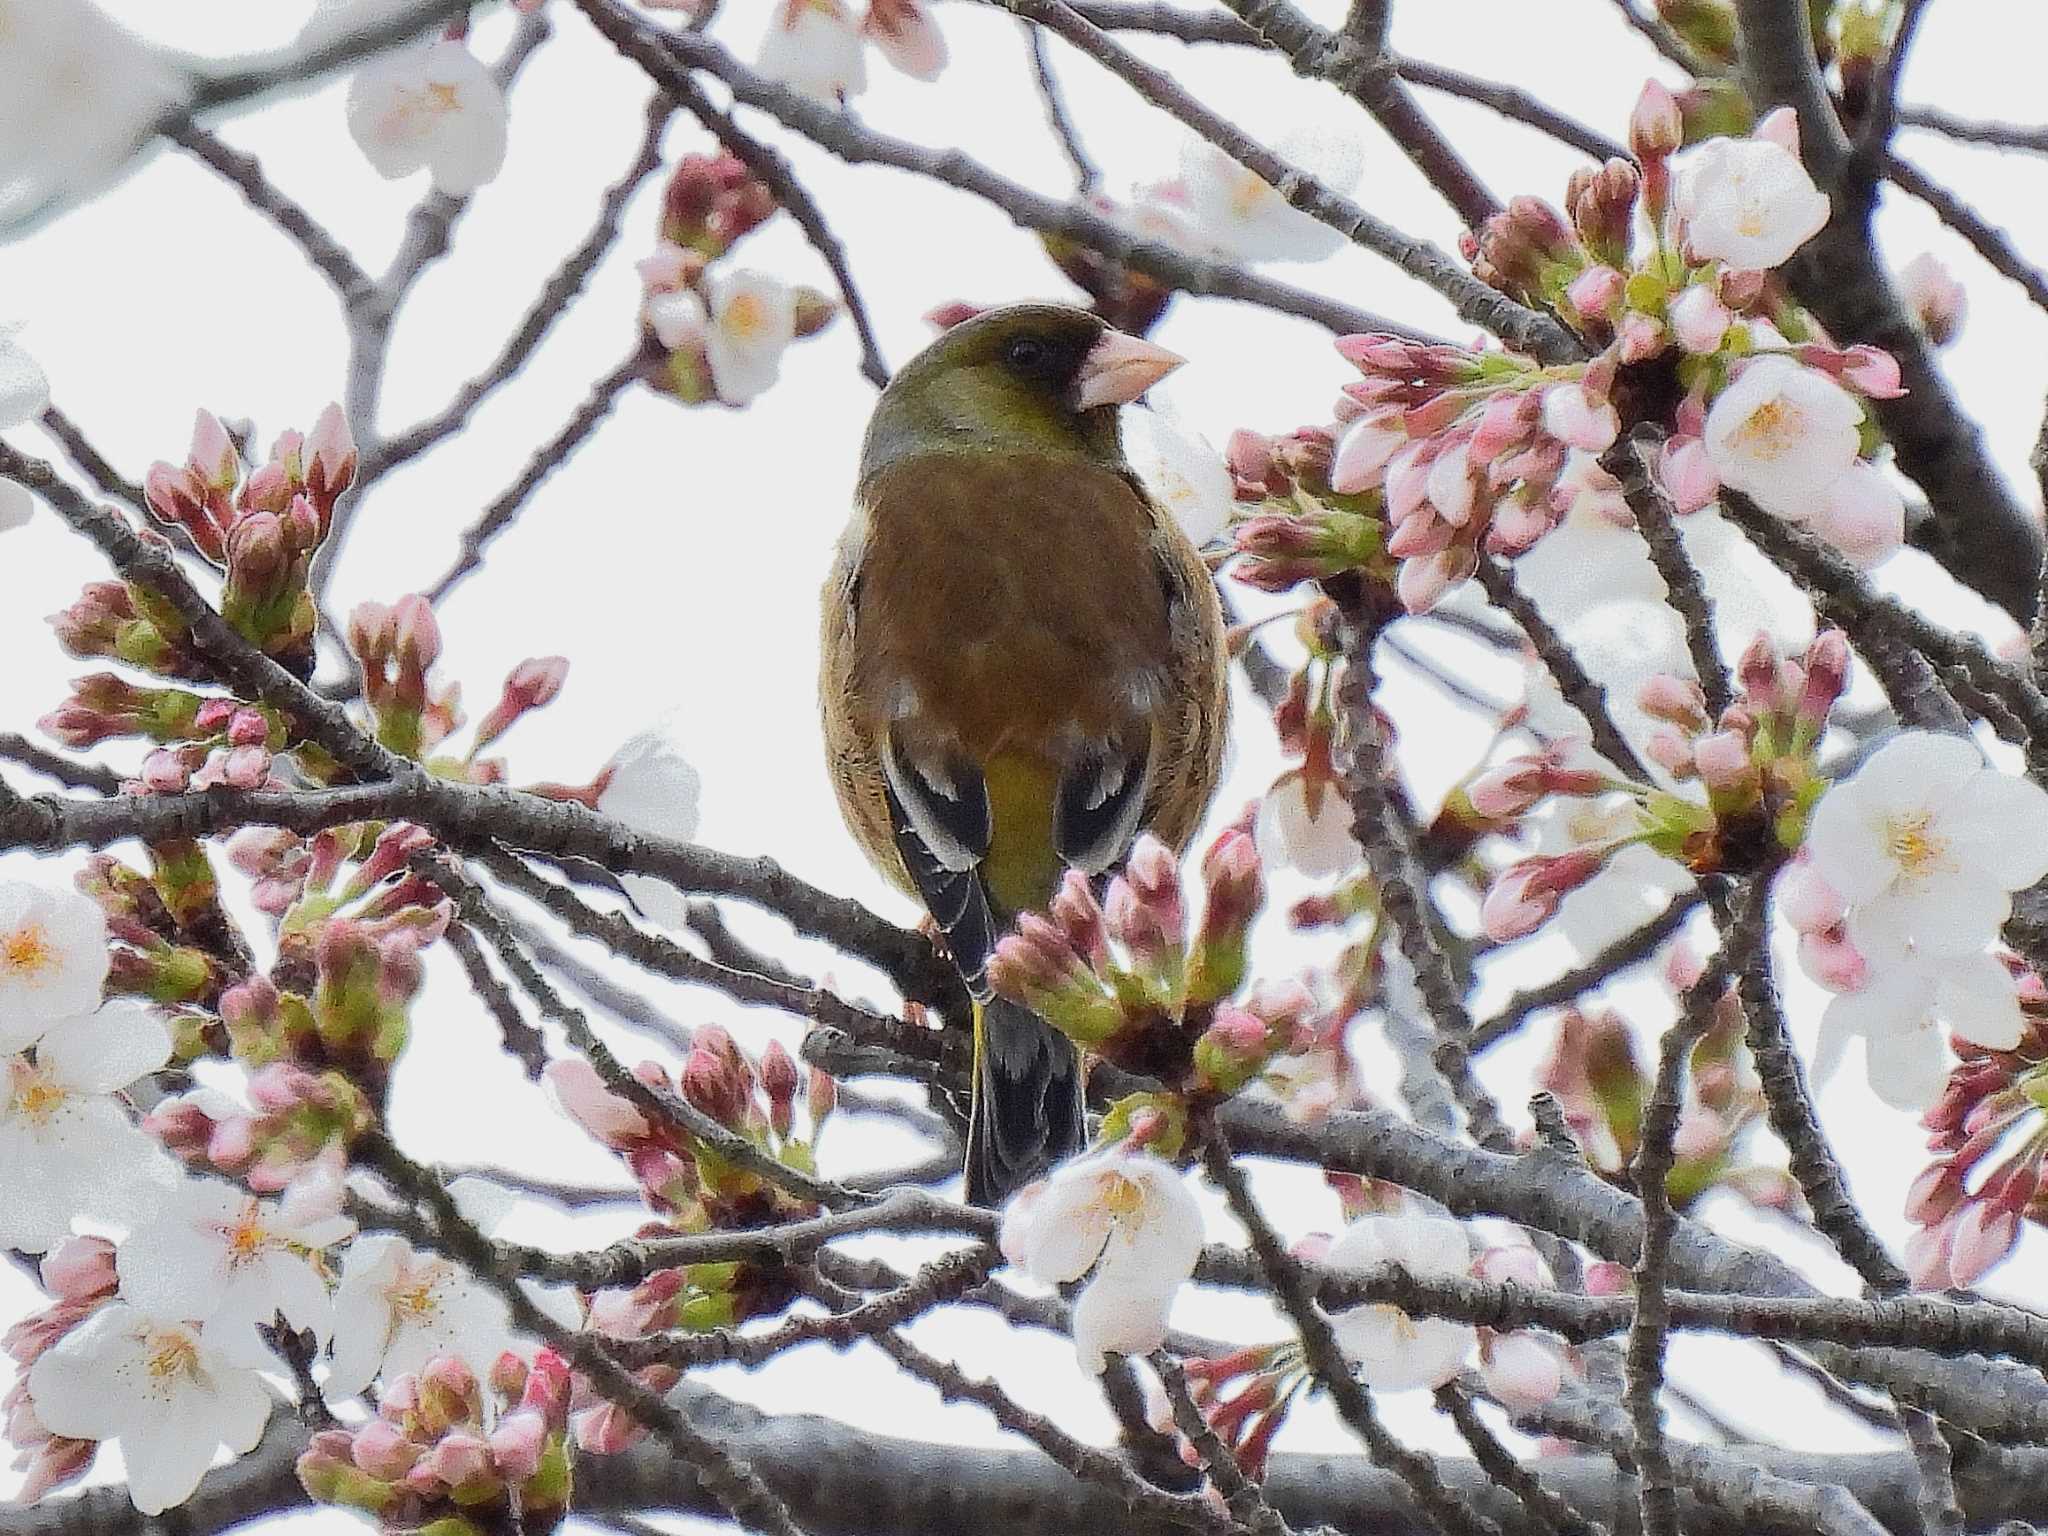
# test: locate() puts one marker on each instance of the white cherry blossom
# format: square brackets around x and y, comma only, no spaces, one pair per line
[1313,838]
[158,1385]
[435,107]
[79,95]
[1184,474]
[1132,1212]
[752,322]
[1241,215]
[1899,1012]
[396,1309]
[1392,1350]
[1926,843]
[67,1147]
[215,1252]
[1783,433]
[651,787]
[815,46]
[1747,202]
[53,958]
[1863,515]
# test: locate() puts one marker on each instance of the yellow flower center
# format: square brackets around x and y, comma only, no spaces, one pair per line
[27,950]
[1122,1197]
[414,1298]
[247,1237]
[169,1355]
[445,98]
[1772,430]
[32,1095]
[1914,845]
[1247,194]
[745,317]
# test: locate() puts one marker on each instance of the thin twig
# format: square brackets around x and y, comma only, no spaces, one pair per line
[544,461]
[1057,115]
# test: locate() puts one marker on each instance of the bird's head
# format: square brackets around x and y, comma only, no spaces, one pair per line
[1035,378]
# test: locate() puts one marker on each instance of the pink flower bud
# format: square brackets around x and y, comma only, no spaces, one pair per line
[1597,291]
[1935,300]
[1524,895]
[80,1269]
[1687,474]
[1606,1278]
[1983,1236]
[582,1095]
[213,458]
[1655,127]
[1507,789]
[1699,319]
[458,1458]
[1422,583]
[1933,1194]
[1512,1263]
[518,1445]
[1577,419]
[1506,422]
[382,1449]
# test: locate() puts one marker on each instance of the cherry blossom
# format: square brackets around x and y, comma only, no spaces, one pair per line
[69,1149]
[1184,474]
[1862,514]
[1926,844]
[1899,1011]
[213,1251]
[1244,217]
[53,958]
[650,786]
[1132,1212]
[78,96]
[396,1309]
[1307,826]
[752,322]
[159,1386]
[1392,1350]
[1933,297]
[1783,434]
[435,107]
[1747,202]
[815,46]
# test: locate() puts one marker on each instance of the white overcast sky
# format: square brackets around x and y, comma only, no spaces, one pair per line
[676,560]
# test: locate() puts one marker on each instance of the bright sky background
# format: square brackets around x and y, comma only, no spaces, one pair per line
[676,560]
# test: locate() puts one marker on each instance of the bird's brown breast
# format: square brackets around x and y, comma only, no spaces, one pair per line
[1008,601]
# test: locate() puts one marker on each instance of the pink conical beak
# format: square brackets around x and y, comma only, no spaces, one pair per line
[1119,368]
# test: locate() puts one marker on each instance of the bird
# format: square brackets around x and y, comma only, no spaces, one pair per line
[1023,665]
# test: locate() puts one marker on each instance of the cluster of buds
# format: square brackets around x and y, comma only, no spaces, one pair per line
[1451,453]
[1245,1397]
[688,1185]
[262,529]
[396,646]
[120,622]
[1295,525]
[1989,1133]
[1757,759]
[1127,980]
[1595,1073]
[710,202]
[453,1456]
[154,951]
[297,1125]
[1755,763]
[78,1274]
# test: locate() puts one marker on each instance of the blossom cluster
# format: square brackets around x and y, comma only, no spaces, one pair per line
[1440,454]
[689,1186]
[717,331]
[452,1454]
[1908,875]
[1741,782]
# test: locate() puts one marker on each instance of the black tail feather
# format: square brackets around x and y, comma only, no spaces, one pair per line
[1026,1114]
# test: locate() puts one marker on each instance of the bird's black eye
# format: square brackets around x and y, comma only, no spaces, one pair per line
[1026,354]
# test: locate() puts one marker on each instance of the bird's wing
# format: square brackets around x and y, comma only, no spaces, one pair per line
[941,821]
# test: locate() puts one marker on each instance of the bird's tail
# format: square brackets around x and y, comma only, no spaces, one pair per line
[1026,1112]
